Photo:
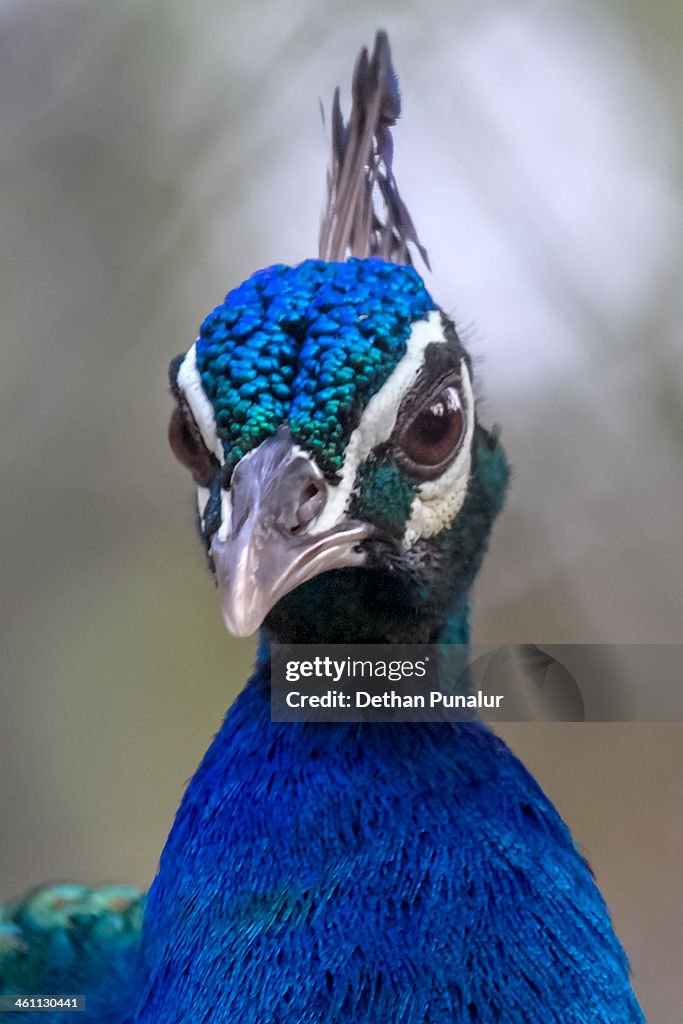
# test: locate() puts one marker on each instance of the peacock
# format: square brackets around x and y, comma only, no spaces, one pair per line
[346,490]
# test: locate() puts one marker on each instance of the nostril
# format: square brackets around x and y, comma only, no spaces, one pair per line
[310,491]
[311,501]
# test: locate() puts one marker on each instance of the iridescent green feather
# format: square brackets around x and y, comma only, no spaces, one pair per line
[73,940]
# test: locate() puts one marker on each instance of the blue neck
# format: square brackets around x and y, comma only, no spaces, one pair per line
[309,861]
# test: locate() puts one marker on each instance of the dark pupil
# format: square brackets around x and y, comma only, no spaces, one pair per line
[431,426]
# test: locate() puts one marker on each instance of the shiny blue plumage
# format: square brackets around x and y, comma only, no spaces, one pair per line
[309,344]
[368,873]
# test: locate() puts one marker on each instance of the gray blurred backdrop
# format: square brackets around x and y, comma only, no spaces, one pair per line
[152,155]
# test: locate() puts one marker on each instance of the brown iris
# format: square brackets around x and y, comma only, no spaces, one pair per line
[432,437]
[188,447]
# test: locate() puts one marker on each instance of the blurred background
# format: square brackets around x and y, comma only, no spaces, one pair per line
[152,155]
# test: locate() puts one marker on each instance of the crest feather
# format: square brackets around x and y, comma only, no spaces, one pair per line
[365,215]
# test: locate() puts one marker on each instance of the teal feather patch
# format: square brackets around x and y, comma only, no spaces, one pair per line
[383,495]
[307,346]
[73,940]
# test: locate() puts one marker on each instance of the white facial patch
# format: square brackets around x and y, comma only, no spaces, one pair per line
[437,501]
[203,495]
[226,515]
[190,383]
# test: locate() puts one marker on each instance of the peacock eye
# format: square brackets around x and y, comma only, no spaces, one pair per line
[431,438]
[187,446]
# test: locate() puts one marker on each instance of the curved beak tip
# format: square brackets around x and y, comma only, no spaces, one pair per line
[241,620]
[255,571]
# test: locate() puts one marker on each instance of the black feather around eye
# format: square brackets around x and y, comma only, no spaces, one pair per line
[173,370]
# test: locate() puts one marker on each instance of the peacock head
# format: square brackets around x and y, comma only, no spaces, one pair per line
[345,488]
[326,412]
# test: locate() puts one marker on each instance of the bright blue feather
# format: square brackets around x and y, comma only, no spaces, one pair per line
[371,873]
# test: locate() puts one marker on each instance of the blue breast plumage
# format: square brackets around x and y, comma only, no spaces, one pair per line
[373,872]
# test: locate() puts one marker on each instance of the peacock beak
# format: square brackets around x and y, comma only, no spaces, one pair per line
[267,544]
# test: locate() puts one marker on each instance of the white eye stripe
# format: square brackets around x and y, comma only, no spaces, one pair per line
[378,421]
[190,383]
